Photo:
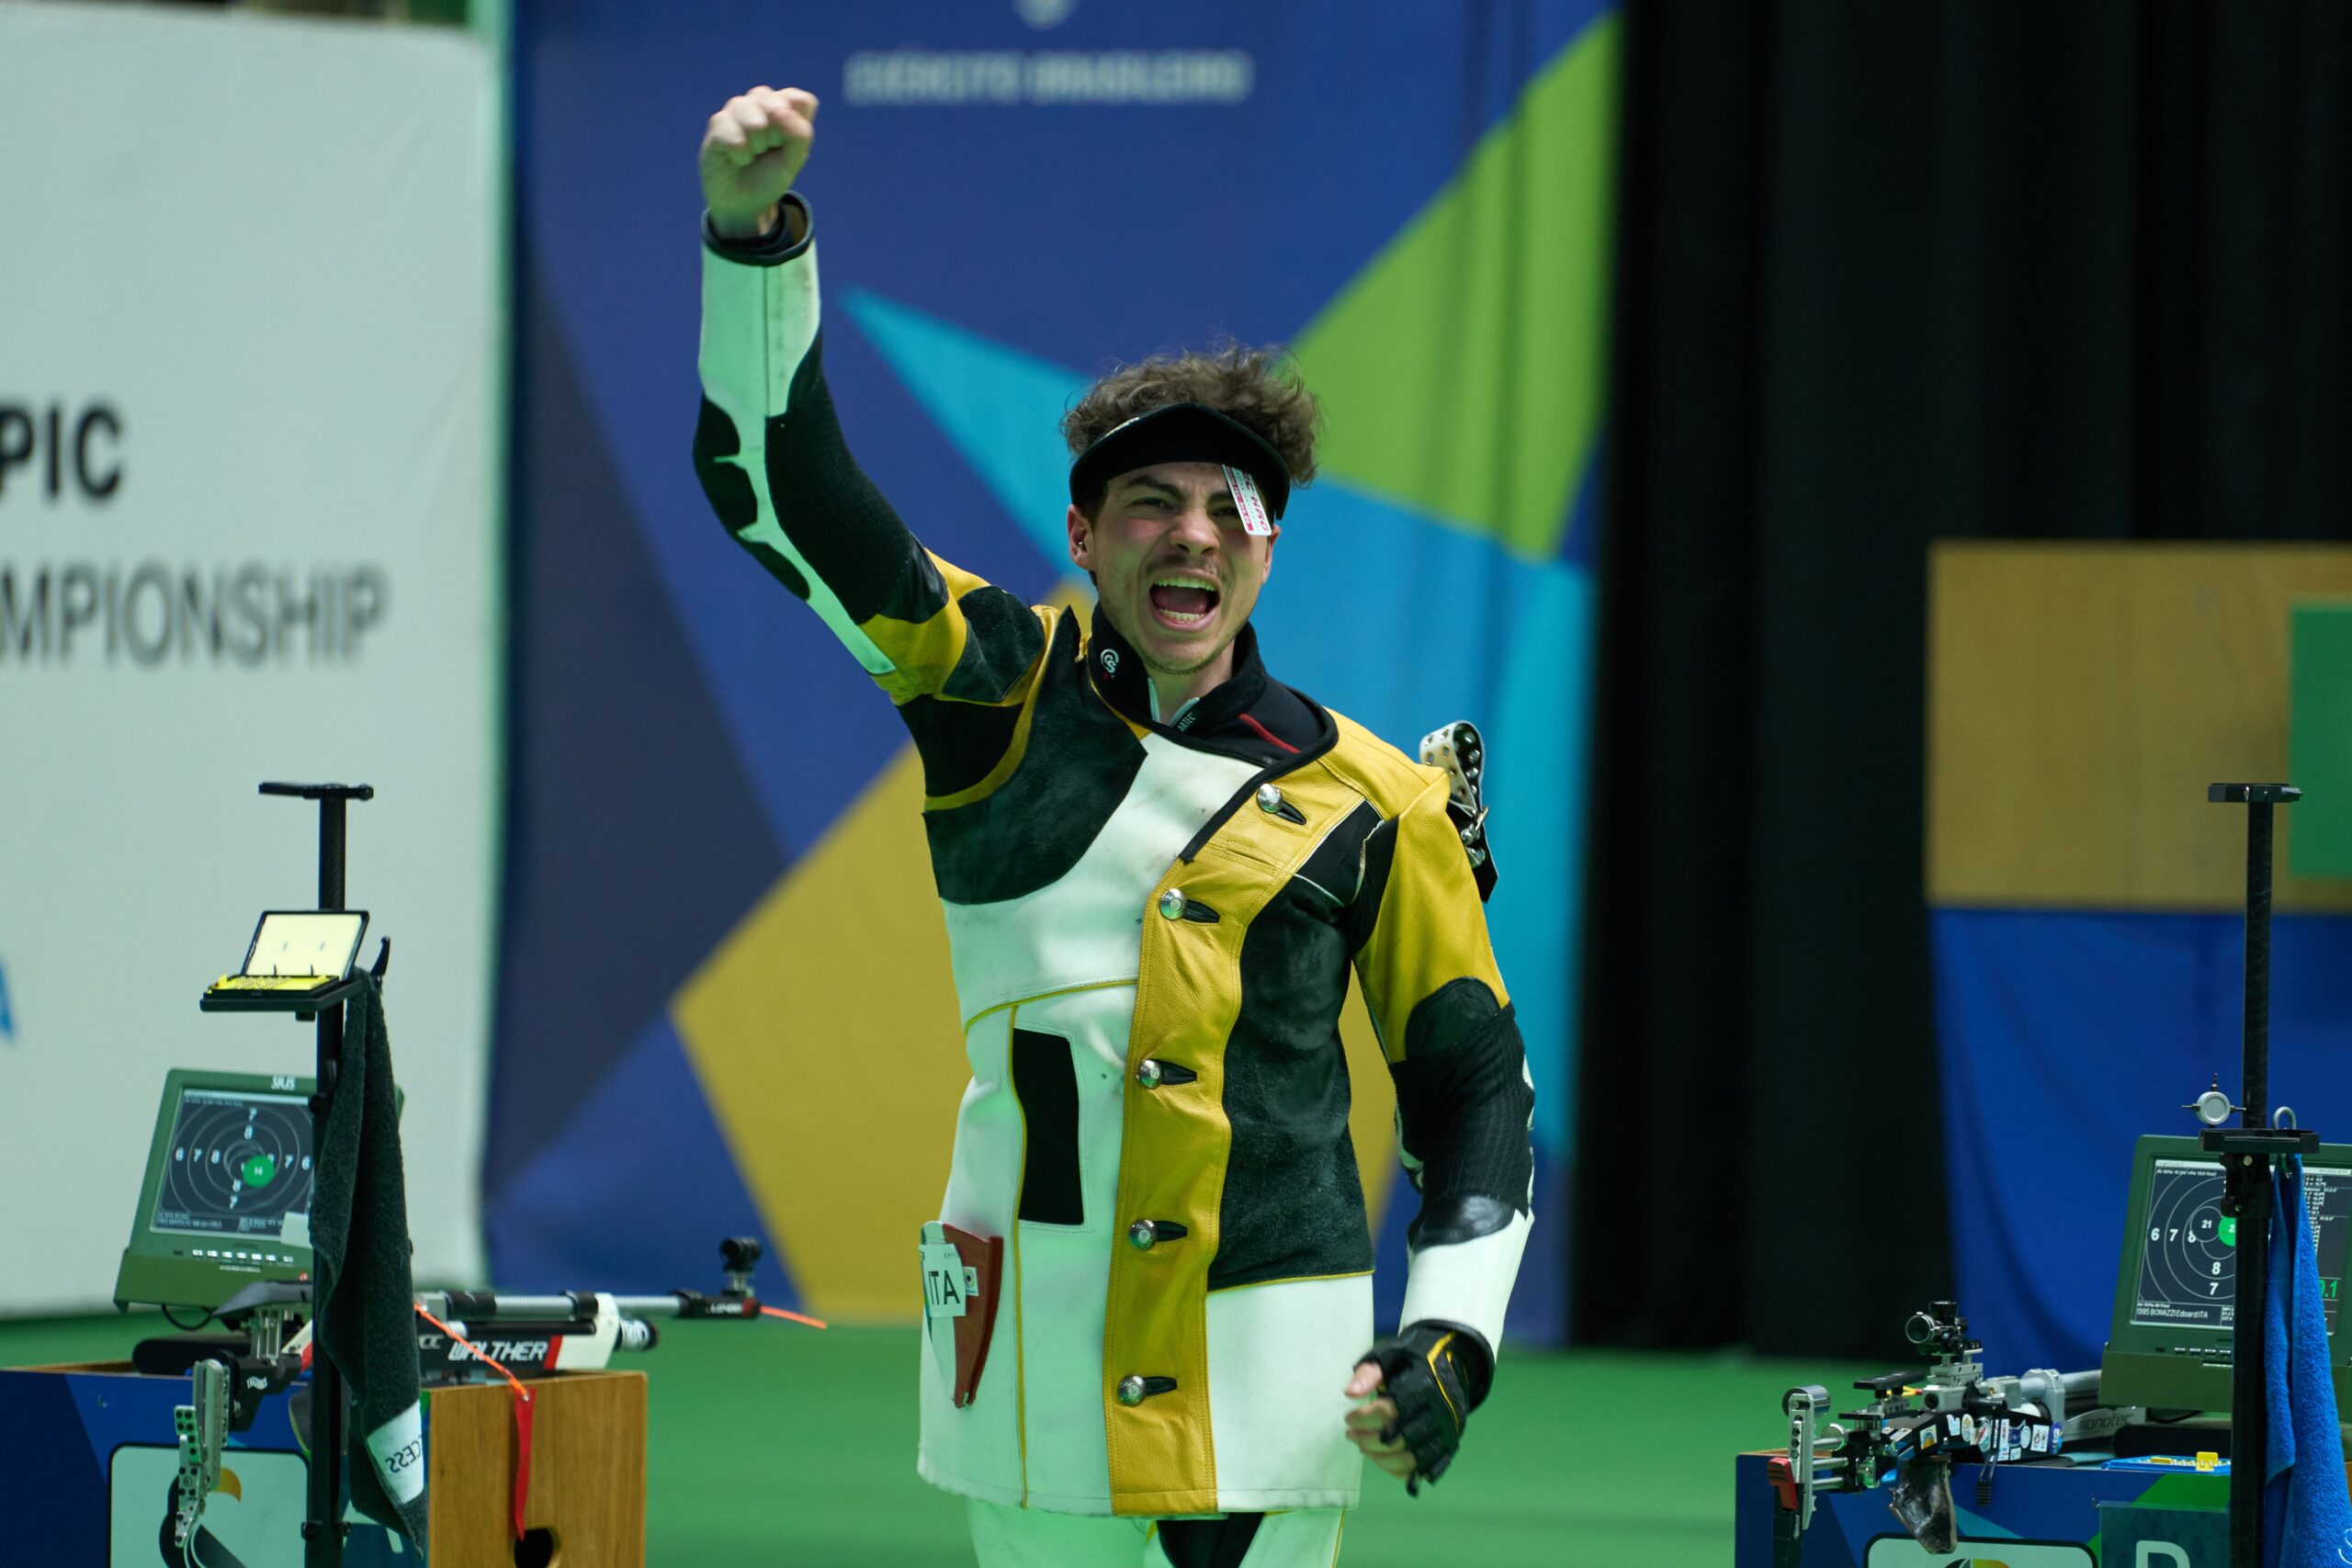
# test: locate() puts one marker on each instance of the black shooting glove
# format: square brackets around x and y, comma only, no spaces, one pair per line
[1436,1373]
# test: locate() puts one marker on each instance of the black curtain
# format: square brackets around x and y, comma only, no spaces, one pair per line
[1891,273]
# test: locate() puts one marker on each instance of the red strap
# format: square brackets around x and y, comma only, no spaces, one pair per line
[522,1415]
[1269,734]
[522,1409]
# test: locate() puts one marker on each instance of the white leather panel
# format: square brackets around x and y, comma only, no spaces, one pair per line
[1041,1398]
[758,324]
[1087,928]
[1066,1269]
[1467,1281]
[1280,1358]
[977,1449]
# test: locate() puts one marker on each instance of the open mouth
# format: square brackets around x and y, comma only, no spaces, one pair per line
[1184,604]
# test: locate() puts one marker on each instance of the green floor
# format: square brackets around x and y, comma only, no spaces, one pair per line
[778,1445]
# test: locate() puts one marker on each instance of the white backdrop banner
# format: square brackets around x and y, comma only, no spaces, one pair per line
[248,531]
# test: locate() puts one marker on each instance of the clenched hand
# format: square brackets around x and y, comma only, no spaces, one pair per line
[751,151]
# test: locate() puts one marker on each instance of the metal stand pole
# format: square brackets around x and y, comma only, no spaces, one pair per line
[2256,1048]
[2249,1432]
[323,1526]
[2247,1151]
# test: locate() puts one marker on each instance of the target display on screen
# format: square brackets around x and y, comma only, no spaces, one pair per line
[2189,1267]
[237,1164]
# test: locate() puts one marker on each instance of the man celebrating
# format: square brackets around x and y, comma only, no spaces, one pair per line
[1151,1269]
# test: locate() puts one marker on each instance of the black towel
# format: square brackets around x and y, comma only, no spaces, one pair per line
[359,1242]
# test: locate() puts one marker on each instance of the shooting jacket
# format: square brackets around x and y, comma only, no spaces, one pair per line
[1152,927]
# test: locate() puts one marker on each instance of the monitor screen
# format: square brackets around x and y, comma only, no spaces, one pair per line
[2170,1342]
[225,1200]
[239,1163]
[2188,1256]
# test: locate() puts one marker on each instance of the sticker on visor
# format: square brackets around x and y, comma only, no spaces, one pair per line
[1251,505]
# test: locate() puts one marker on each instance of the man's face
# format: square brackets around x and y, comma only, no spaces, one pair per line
[1176,573]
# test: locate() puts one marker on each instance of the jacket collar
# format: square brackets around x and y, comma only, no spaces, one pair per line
[1250,714]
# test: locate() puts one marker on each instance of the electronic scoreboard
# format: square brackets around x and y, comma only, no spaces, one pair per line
[226,1199]
[2170,1342]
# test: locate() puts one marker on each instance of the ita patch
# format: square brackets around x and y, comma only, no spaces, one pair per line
[947,1284]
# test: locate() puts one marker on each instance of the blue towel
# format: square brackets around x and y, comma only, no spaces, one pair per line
[2306,1516]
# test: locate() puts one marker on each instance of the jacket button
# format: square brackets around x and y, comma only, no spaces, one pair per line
[1147,1233]
[1148,1073]
[1171,904]
[1135,1390]
[1269,798]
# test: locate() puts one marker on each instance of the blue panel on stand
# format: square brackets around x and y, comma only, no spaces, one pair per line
[2065,1036]
[636,1193]
[53,1486]
[2040,1516]
[88,1477]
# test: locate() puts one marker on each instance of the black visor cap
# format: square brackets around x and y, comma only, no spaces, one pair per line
[1181,432]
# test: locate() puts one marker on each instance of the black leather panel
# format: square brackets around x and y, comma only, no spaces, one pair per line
[1044,1081]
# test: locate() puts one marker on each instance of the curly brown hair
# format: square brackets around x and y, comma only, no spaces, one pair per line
[1258,386]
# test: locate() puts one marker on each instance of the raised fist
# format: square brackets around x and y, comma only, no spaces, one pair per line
[751,151]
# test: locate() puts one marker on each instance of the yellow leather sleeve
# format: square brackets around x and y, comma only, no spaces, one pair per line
[1431,931]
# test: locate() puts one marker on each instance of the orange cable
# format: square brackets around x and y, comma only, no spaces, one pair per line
[779,1311]
[480,1354]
